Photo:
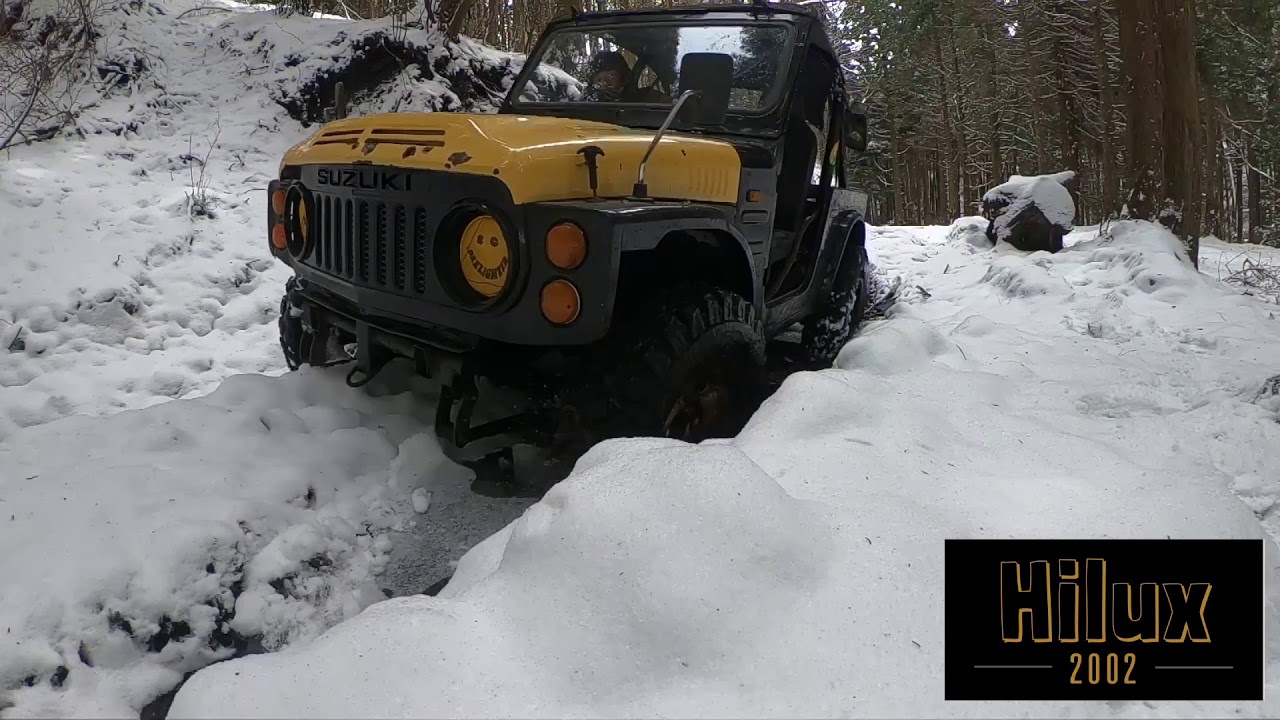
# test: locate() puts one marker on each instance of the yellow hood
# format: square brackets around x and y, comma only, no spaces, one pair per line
[537,157]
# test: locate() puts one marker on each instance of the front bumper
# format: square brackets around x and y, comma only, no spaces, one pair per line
[436,353]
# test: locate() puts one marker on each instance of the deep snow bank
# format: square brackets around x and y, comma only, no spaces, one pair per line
[153,543]
[116,290]
[796,570]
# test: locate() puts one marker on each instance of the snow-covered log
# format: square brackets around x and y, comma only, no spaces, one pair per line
[1031,212]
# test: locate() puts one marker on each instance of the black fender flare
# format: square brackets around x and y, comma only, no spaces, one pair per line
[647,227]
[846,229]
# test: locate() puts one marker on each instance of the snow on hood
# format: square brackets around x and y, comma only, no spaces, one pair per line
[795,571]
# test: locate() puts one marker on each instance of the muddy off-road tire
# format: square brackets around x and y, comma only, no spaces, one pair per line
[836,322]
[293,336]
[688,363]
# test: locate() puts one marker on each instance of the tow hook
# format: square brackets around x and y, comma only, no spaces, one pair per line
[370,359]
[457,428]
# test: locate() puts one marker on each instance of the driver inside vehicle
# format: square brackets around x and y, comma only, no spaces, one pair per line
[611,82]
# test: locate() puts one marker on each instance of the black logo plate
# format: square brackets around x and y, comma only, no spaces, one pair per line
[1104,619]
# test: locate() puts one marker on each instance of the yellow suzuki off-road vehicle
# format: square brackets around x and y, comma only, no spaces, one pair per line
[661,192]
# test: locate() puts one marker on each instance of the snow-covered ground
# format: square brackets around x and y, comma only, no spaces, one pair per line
[1106,391]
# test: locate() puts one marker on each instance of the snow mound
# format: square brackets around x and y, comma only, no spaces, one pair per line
[172,537]
[135,267]
[1012,277]
[887,349]
[790,573]
[971,230]
[1135,258]
[384,68]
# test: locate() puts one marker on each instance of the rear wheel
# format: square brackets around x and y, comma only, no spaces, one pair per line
[687,364]
[836,322]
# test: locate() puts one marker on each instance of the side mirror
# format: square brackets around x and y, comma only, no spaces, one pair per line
[711,75]
[855,127]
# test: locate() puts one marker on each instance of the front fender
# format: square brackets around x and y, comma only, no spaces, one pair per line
[638,227]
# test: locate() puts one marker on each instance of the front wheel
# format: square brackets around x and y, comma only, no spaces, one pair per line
[689,364]
[838,319]
[299,341]
[295,340]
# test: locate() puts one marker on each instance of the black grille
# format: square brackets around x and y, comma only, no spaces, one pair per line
[362,238]
[420,251]
[369,242]
[380,248]
[397,249]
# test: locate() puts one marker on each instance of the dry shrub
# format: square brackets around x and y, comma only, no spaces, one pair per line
[1257,276]
[43,61]
[355,9]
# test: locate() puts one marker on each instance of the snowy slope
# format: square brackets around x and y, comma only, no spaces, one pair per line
[112,294]
[1107,391]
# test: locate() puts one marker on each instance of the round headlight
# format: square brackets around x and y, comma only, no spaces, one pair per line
[485,256]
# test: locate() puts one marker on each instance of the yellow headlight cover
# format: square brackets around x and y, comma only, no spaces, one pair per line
[485,256]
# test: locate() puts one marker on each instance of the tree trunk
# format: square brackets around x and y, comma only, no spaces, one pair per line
[945,145]
[1213,173]
[1255,195]
[988,94]
[1106,102]
[959,142]
[1025,31]
[1141,61]
[452,14]
[1069,144]
[898,170]
[1182,132]
[1237,172]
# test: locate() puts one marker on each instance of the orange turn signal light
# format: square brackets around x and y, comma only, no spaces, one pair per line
[278,238]
[277,202]
[566,246]
[560,302]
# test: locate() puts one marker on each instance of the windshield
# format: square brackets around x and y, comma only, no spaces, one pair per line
[640,64]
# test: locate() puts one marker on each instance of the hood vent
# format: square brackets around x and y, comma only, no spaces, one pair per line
[339,137]
[423,138]
[412,139]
